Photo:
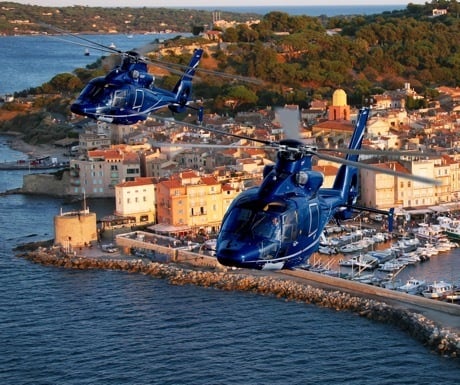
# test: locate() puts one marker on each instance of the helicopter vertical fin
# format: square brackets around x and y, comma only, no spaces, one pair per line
[346,180]
[183,87]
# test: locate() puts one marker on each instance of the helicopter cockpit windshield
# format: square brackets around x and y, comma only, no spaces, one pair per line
[96,92]
[270,223]
[266,225]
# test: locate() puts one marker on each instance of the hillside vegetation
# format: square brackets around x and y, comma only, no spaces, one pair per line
[297,58]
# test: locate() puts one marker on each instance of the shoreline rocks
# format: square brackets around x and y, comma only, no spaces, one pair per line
[431,335]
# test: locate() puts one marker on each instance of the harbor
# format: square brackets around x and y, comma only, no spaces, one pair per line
[394,261]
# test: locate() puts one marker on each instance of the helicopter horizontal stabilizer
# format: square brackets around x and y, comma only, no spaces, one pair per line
[389,213]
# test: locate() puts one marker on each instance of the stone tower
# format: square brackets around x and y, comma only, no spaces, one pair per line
[339,110]
[75,229]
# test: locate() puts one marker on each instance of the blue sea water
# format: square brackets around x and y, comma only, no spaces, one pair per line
[61,326]
[311,10]
[30,61]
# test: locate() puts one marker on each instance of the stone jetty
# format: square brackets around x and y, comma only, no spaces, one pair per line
[429,333]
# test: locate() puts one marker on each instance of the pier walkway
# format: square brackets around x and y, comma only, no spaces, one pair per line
[445,314]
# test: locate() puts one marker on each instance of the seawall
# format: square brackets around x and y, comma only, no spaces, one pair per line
[436,338]
[46,184]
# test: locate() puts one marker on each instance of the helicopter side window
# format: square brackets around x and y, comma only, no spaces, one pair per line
[119,99]
[290,221]
[139,99]
[267,226]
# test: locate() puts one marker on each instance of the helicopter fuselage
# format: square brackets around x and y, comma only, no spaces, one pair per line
[120,103]
[279,224]
[276,225]
[127,94]
[273,234]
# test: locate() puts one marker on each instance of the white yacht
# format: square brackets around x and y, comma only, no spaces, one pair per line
[437,290]
[413,286]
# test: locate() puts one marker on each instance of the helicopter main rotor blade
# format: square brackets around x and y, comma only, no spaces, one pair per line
[216,131]
[81,44]
[396,153]
[76,36]
[203,145]
[159,63]
[167,68]
[370,167]
[184,67]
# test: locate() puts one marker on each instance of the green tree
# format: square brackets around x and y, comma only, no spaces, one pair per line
[241,95]
[65,83]
[230,35]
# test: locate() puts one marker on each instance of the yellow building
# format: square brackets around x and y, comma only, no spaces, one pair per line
[192,202]
[384,191]
[75,229]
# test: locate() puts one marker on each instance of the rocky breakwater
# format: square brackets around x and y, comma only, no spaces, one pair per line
[432,335]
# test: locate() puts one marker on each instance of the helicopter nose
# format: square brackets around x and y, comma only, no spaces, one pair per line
[231,257]
[226,258]
[78,108]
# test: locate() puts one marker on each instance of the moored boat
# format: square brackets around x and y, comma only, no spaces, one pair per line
[451,227]
[437,290]
[454,295]
[413,286]
[361,261]
[391,266]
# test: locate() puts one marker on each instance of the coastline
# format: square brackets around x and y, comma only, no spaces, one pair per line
[31,150]
[287,285]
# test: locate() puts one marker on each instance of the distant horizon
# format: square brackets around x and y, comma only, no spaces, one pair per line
[207,3]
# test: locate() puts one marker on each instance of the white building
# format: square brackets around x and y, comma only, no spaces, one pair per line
[136,199]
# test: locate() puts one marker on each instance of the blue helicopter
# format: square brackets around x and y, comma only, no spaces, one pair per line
[278,225]
[127,93]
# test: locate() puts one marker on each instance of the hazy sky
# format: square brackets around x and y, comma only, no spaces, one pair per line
[209,3]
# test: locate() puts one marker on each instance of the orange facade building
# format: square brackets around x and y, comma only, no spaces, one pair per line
[191,201]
